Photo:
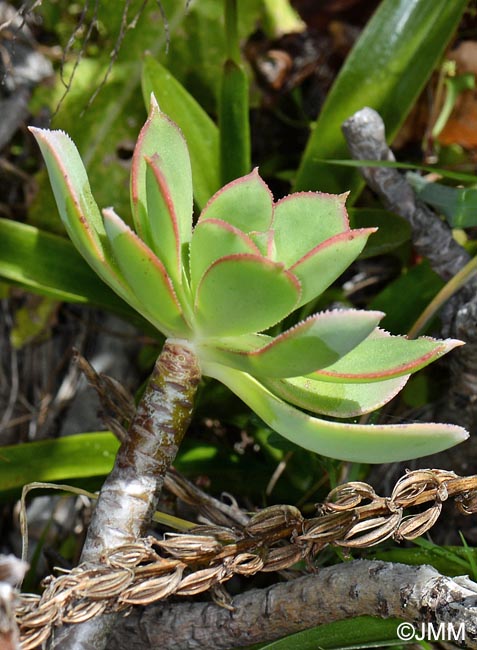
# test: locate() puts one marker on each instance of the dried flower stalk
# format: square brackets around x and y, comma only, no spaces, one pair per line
[149,570]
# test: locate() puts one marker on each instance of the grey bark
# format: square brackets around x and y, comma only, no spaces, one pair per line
[432,237]
[415,594]
[365,134]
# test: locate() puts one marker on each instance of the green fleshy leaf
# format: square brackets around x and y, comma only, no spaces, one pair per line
[352,442]
[265,241]
[77,207]
[244,293]
[146,276]
[304,220]
[245,203]
[162,219]
[325,263]
[212,239]
[312,344]
[162,137]
[382,356]
[201,133]
[333,399]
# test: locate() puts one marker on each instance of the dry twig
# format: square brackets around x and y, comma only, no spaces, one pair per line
[432,237]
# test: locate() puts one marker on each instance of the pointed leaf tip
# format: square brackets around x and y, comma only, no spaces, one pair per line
[153,104]
[314,343]
[246,203]
[352,442]
[383,356]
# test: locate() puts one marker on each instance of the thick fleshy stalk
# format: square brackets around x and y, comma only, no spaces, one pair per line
[129,495]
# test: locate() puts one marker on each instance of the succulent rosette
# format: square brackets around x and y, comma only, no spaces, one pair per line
[247,264]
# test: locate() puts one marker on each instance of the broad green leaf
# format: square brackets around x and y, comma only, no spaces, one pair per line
[304,220]
[212,239]
[161,141]
[351,634]
[386,70]
[382,356]
[201,133]
[313,343]
[77,456]
[146,277]
[162,220]
[333,399]
[457,204]
[245,203]
[77,207]
[392,230]
[244,293]
[353,442]
[324,264]
[51,266]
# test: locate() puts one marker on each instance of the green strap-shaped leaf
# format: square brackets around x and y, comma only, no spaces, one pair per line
[353,442]
[245,203]
[146,276]
[304,220]
[382,356]
[333,399]
[213,239]
[387,68]
[244,293]
[234,122]
[77,207]
[161,140]
[325,263]
[312,344]
[78,456]
[201,133]
[50,265]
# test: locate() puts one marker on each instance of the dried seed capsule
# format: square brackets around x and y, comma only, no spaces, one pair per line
[375,530]
[283,557]
[201,581]
[416,525]
[83,611]
[273,519]
[152,589]
[190,547]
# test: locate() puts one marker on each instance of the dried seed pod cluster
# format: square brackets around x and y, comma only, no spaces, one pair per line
[273,539]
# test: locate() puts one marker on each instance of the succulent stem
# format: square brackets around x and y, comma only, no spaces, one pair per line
[129,495]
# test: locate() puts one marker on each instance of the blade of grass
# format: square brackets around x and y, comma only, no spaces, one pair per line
[234,124]
[445,173]
[386,70]
[360,632]
[50,265]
